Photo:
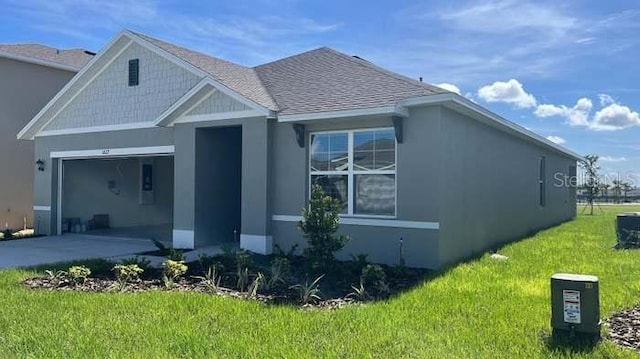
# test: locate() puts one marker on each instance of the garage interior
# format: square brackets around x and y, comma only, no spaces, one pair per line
[129,197]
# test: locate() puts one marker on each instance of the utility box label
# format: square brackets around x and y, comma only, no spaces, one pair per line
[571,299]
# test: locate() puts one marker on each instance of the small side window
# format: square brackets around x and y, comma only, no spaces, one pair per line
[134,72]
[542,181]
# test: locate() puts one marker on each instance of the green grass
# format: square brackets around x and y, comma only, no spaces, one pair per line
[480,309]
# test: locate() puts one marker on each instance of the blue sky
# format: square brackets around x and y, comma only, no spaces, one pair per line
[568,71]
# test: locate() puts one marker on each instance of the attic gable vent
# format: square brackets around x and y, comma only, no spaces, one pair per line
[134,72]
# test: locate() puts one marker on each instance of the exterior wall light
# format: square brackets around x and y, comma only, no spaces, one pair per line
[40,165]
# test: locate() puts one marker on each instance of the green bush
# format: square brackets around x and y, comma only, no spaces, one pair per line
[127,273]
[374,279]
[79,274]
[173,270]
[320,221]
[176,255]
[141,262]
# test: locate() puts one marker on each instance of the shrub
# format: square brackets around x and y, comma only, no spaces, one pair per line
[279,252]
[210,281]
[255,285]
[125,274]
[243,278]
[141,262]
[78,274]
[173,270]
[176,255]
[359,293]
[244,259]
[279,267]
[359,262]
[7,234]
[320,221]
[374,278]
[308,292]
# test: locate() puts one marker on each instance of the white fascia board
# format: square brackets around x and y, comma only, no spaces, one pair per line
[218,116]
[114,152]
[37,61]
[501,122]
[105,128]
[28,132]
[384,110]
[198,72]
[162,119]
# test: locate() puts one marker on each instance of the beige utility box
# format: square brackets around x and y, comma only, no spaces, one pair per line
[575,304]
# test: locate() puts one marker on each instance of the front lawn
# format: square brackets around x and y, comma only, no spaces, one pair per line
[485,308]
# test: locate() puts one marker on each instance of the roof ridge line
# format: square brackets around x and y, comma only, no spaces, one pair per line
[371,65]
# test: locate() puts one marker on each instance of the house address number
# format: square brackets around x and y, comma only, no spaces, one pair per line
[105,151]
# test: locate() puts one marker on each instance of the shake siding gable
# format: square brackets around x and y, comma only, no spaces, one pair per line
[109,100]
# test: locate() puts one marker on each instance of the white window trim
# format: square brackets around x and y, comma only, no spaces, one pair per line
[350,173]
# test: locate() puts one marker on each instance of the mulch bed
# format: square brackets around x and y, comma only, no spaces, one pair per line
[98,285]
[624,328]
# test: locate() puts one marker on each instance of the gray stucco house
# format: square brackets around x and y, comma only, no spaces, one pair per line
[30,75]
[171,142]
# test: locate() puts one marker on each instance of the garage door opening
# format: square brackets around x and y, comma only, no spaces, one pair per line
[128,197]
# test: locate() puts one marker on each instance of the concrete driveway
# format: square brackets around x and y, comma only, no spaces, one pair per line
[53,249]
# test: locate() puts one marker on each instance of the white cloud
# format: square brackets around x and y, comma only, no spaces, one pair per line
[611,117]
[449,87]
[612,159]
[556,139]
[615,117]
[578,115]
[605,99]
[511,92]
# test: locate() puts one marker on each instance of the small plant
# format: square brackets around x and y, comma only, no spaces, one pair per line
[172,272]
[176,255]
[359,293]
[243,278]
[320,221]
[308,292]
[126,273]
[228,251]
[279,266]
[210,281]
[79,274]
[55,275]
[374,278]
[206,261]
[244,259]
[7,234]
[141,262]
[359,262]
[279,252]
[255,285]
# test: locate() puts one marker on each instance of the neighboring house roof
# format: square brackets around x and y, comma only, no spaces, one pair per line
[243,80]
[72,59]
[324,80]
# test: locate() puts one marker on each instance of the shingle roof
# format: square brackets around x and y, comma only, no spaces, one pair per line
[75,58]
[315,81]
[243,80]
[327,80]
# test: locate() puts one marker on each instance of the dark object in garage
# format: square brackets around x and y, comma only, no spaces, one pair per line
[99,221]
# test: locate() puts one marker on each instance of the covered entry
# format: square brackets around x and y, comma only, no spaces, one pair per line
[119,196]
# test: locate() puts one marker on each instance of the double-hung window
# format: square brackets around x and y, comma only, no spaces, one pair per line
[358,168]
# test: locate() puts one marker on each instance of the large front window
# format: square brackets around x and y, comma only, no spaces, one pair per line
[358,168]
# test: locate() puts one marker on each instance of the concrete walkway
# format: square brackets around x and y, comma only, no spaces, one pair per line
[53,249]
[69,247]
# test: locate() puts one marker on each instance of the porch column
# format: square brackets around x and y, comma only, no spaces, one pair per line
[184,187]
[255,233]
